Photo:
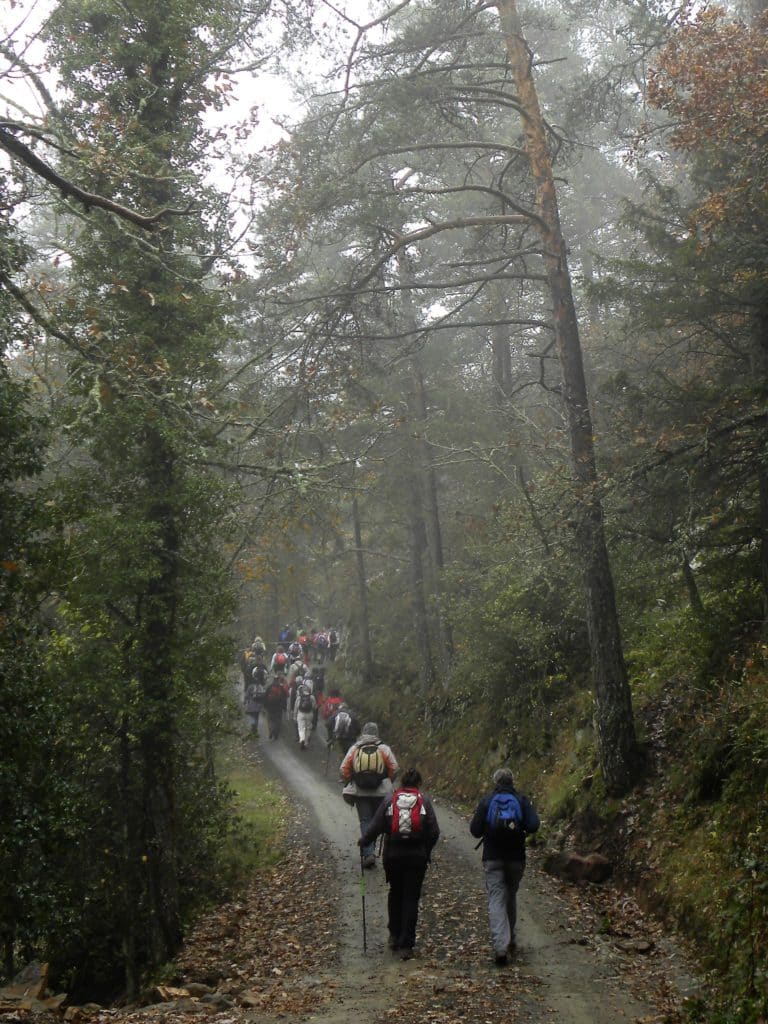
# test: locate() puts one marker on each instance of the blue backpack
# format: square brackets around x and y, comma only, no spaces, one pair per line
[504,816]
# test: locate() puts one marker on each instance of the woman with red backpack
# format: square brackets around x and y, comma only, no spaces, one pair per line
[410,829]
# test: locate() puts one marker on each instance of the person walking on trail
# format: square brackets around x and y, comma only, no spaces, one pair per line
[253,699]
[502,820]
[306,706]
[274,705]
[342,728]
[279,663]
[410,829]
[368,770]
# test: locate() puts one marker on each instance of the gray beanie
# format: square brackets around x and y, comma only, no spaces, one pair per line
[503,777]
[370,729]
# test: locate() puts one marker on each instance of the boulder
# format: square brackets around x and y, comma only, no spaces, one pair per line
[573,867]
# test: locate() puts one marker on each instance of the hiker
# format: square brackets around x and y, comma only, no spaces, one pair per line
[409,826]
[306,707]
[274,705]
[318,688]
[279,663]
[501,821]
[321,646]
[248,660]
[368,769]
[333,644]
[342,728]
[253,702]
[331,704]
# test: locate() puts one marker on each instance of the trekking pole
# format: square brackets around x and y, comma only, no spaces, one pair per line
[328,755]
[362,896]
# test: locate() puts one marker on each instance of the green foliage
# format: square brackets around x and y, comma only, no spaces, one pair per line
[255,839]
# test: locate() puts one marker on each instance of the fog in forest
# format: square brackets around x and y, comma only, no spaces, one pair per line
[440,324]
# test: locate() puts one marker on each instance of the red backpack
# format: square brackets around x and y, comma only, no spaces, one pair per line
[331,705]
[408,813]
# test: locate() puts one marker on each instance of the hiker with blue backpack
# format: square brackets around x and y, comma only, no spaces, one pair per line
[501,821]
[410,829]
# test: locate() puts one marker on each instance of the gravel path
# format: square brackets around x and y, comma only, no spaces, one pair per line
[291,948]
[569,967]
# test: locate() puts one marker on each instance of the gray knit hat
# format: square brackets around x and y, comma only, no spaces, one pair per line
[370,729]
[503,777]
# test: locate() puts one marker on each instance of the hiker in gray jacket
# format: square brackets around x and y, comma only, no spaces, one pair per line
[368,769]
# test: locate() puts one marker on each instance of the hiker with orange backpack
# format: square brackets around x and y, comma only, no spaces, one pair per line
[368,771]
[410,829]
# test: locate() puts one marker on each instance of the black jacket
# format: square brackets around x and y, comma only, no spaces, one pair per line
[408,849]
[512,848]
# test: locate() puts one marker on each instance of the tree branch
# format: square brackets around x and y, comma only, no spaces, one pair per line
[19,151]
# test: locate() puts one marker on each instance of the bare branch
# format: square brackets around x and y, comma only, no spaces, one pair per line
[19,151]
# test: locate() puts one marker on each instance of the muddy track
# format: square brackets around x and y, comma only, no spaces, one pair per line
[561,973]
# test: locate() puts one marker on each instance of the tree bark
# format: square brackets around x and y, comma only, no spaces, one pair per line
[425,514]
[614,717]
[362,589]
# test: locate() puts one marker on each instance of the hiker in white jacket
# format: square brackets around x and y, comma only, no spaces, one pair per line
[304,711]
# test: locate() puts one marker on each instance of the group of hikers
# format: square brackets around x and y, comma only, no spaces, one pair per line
[317,644]
[404,816]
[391,804]
[293,686]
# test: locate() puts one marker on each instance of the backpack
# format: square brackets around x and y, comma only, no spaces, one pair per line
[333,638]
[259,676]
[342,725]
[368,767]
[280,660]
[321,640]
[253,698]
[305,700]
[275,694]
[504,816]
[408,813]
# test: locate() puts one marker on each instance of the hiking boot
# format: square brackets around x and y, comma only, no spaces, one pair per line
[501,960]
[369,861]
[393,943]
[407,953]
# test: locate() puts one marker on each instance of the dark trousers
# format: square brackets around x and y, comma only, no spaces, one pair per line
[405,876]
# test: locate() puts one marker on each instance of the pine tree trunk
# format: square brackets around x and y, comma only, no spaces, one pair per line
[614,717]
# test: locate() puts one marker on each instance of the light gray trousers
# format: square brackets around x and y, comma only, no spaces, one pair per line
[502,880]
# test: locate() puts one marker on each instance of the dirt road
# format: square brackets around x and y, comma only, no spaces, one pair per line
[570,967]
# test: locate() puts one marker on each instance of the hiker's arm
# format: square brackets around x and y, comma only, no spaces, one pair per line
[531,820]
[346,766]
[477,824]
[391,761]
[432,825]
